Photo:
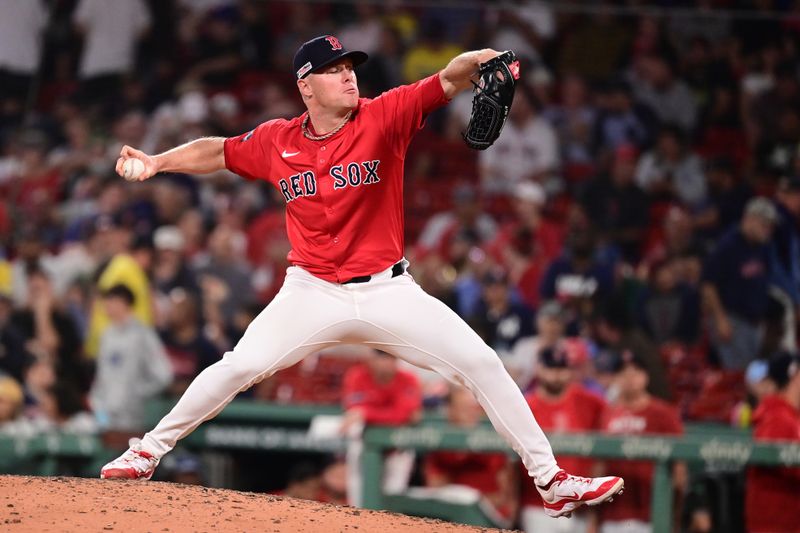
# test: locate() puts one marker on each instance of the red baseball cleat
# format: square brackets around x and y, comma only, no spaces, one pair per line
[566,493]
[133,464]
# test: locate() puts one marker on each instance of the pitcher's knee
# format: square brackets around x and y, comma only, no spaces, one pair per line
[246,368]
[483,363]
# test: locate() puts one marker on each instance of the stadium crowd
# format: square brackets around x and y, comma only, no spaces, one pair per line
[630,243]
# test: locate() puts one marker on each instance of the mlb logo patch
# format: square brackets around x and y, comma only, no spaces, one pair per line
[302,70]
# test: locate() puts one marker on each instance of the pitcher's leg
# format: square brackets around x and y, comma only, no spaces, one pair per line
[285,332]
[425,332]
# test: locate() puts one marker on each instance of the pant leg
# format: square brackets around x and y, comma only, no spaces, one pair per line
[418,328]
[306,316]
[535,520]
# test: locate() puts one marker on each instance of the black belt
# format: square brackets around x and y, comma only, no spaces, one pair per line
[397,269]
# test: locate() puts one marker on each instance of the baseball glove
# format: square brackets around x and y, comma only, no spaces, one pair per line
[491,101]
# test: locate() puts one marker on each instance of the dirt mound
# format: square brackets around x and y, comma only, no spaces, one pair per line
[72,504]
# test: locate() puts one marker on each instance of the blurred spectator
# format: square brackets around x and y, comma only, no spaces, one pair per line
[363,29]
[735,286]
[574,121]
[218,51]
[112,242]
[656,85]
[616,206]
[170,269]
[759,386]
[334,483]
[621,122]
[524,359]
[595,45]
[727,197]
[767,115]
[62,408]
[525,26]
[635,412]
[677,243]
[183,467]
[21,25]
[668,310]
[377,392]
[224,274]
[186,345]
[613,332]
[466,216]
[111,31]
[786,239]
[304,482]
[48,332]
[430,54]
[671,171]
[11,401]
[14,358]
[769,506]
[132,366]
[579,278]
[529,241]
[526,150]
[489,475]
[501,319]
[561,405]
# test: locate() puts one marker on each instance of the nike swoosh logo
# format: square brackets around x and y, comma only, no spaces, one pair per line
[287,154]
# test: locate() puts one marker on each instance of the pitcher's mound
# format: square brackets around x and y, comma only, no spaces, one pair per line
[83,505]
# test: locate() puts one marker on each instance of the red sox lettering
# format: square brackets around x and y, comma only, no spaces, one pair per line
[352,174]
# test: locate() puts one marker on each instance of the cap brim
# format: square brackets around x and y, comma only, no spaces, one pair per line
[357,56]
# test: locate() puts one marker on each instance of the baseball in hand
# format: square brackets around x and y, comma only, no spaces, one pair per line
[132,168]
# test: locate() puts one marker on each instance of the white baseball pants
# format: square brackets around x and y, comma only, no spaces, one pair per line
[391,314]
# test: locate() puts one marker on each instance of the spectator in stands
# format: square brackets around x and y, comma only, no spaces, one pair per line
[186,345]
[561,405]
[614,331]
[770,502]
[501,319]
[574,121]
[578,278]
[304,482]
[378,392]
[529,241]
[430,54]
[116,266]
[527,150]
[668,310]
[11,401]
[111,32]
[617,207]
[671,171]
[15,359]
[132,366]
[525,26]
[727,198]
[635,412]
[170,269]
[523,361]
[735,286]
[656,85]
[489,475]
[466,216]
[678,244]
[786,239]
[759,386]
[218,51]
[48,332]
[21,25]
[621,122]
[225,274]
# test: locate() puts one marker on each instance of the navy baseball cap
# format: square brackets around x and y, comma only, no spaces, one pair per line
[322,51]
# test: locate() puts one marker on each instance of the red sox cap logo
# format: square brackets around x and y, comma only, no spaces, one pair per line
[334,42]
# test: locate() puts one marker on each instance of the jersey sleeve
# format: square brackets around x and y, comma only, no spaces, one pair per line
[247,155]
[402,110]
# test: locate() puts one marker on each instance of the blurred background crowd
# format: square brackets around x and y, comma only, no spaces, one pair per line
[635,226]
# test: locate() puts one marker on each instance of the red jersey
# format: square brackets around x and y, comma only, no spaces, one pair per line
[771,503]
[577,410]
[476,470]
[656,417]
[392,403]
[344,194]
